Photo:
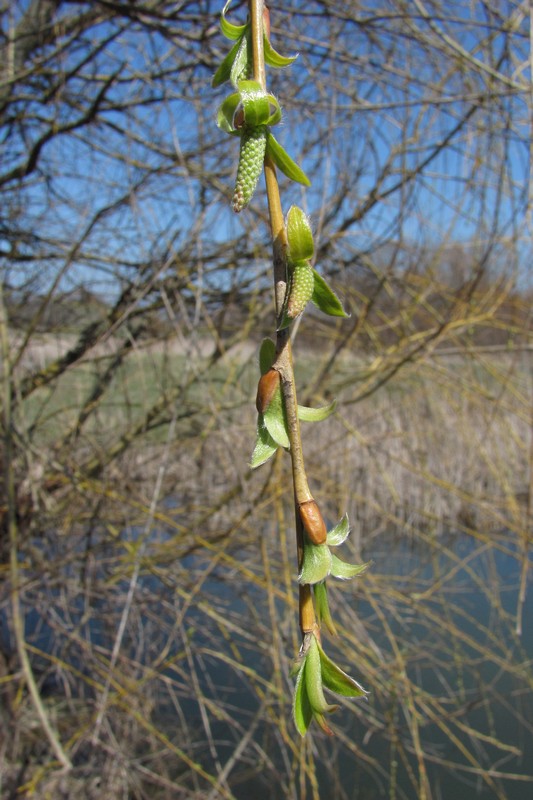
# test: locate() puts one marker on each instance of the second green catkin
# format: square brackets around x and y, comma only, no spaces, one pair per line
[251,159]
[301,289]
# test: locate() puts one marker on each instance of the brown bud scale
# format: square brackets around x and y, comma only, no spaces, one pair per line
[313,522]
[266,389]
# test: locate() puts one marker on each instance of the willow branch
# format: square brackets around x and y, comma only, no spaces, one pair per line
[283,363]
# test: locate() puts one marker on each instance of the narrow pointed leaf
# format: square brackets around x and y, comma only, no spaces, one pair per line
[223,73]
[316,563]
[344,571]
[321,720]
[230,30]
[267,354]
[336,680]
[239,68]
[265,446]
[226,113]
[302,711]
[275,59]
[283,160]
[323,613]
[307,414]
[339,533]
[313,681]
[275,421]
[325,298]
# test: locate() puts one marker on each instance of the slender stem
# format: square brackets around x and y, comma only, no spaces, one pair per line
[283,363]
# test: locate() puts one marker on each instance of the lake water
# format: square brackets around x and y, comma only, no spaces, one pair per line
[448,605]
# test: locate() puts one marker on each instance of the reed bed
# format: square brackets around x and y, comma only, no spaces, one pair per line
[159,615]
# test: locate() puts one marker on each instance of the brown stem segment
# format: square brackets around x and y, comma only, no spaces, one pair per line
[259,17]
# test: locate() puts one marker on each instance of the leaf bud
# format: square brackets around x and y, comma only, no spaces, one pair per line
[266,389]
[299,235]
[313,522]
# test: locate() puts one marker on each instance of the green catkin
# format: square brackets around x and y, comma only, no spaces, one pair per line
[301,289]
[251,159]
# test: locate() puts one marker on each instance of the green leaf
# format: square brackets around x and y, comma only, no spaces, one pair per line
[229,30]
[297,665]
[313,680]
[340,569]
[239,67]
[283,160]
[265,446]
[316,563]
[334,679]
[273,58]
[339,533]
[267,354]
[299,235]
[321,720]
[325,298]
[226,112]
[275,422]
[223,73]
[307,414]
[257,105]
[323,613]
[303,713]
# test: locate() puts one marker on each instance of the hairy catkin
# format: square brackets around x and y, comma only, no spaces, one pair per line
[251,159]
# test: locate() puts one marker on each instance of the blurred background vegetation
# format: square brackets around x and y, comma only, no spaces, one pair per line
[147,603]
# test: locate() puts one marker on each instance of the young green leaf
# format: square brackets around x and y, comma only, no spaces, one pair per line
[325,298]
[316,563]
[241,64]
[226,113]
[323,613]
[306,414]
[265,446]
[302,711]
[313,680]
[299,235]
[339,533]
[229,30]
[336,680]
[223,72]
[257,105]
[283,160]
[340,569]
[274,59]
[267,354]
[275,422]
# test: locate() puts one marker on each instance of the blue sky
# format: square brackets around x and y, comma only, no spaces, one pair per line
[131,186]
